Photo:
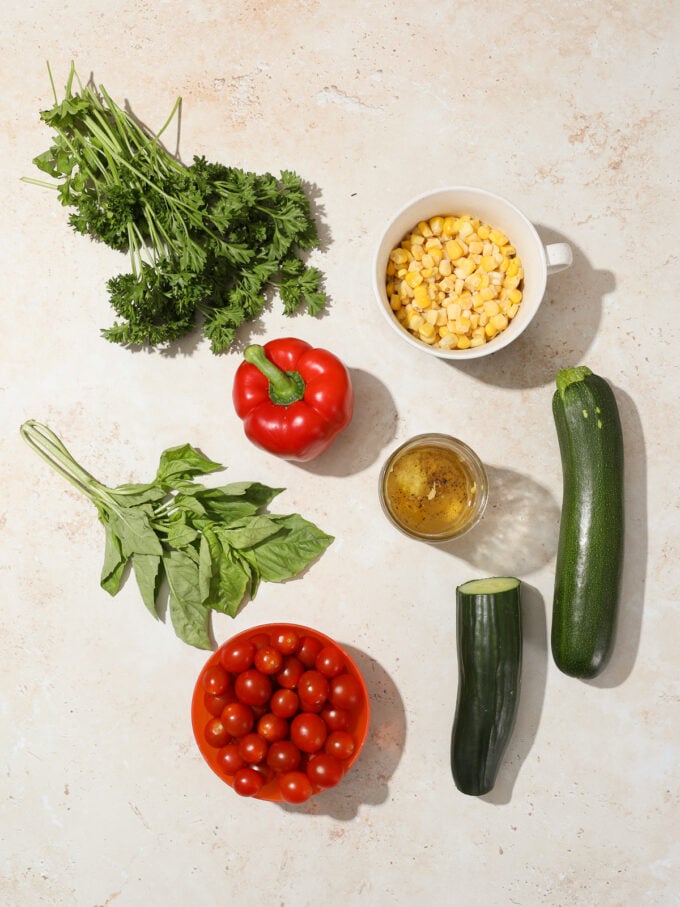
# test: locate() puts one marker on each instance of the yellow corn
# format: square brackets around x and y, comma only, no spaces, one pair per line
[436,225]
[453,249]
[499,239]
[454,281]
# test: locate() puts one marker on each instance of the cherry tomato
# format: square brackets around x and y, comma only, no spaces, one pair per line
[312,689]
[340,744]
[252,749]
[295,787]
[259,640]
[284,703]
[337,719]
[215,704]
[216,732]
[238,656]
[324,770]
[253,687]
[286,641]
[309,649]
[330,661]
[308,732]
[238,718]
[345,692]
[216,680]
[291,672]
[229,759]
[283,756]
[272,727]
[248,782]
[268,660]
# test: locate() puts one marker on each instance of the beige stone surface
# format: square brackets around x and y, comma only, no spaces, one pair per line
[571,112]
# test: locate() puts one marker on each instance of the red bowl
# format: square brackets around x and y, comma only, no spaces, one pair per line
[200,716]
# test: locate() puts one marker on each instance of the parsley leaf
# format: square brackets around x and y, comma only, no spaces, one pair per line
[206,242]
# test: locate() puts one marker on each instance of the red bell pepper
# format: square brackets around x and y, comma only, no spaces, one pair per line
[293,399]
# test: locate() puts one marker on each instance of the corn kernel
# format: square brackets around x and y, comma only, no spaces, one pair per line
[483,231]
[413,279]
[511,283]
[491,308]
[395,303]
[436,225]
[449,225]
[499,239]
[426,330]
[463,343]
[427,260]
[448,342]
[500,322]
[445,267]
[512,268]
[436,253]
[424,228]
[399,256]
[466,228]
[489,263]
[512,310]
[415,321]
[431,316]
[464,268]
[477,341]
[515,295]
[490,330]
[453,249]
[417,252]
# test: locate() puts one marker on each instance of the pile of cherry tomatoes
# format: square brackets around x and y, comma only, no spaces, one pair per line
[278,713]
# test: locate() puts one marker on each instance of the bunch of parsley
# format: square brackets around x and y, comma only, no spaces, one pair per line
[212,546]
[204,240]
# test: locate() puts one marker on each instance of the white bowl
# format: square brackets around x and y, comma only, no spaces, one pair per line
[538,260]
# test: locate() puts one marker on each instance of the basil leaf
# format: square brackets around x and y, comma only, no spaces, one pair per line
[133,528]
[253,492]
[181,463]
[147,569]
[190,618]
[284,555]
[113,567]
[180,534]
[207,550]
[252,532]
[229,580]
[128,495]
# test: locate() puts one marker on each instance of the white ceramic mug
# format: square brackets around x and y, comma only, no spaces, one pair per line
[538,260]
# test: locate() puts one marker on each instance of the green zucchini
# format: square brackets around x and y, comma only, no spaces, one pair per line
[489,642]
[590,546]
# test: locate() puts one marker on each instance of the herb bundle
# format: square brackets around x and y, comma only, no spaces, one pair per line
[213,545]
[204,240]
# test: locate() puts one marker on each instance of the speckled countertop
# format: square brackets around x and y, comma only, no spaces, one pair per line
[569,111]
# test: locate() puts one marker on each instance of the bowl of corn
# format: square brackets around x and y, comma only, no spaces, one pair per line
[460,272]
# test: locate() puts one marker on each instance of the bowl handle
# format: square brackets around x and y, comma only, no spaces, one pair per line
[559,256]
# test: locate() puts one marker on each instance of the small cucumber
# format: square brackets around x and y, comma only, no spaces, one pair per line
[489,641]
[590,548]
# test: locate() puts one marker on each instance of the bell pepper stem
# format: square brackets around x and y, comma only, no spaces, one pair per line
[284,387]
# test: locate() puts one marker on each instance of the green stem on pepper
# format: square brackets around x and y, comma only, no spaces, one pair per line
[284,387]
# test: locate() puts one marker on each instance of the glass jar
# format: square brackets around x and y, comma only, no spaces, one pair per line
[433,487]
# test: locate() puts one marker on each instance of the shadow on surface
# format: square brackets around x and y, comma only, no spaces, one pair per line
[631,602]
[367,782]
[532,694]
[373,426]
[561,331]
[519,530]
